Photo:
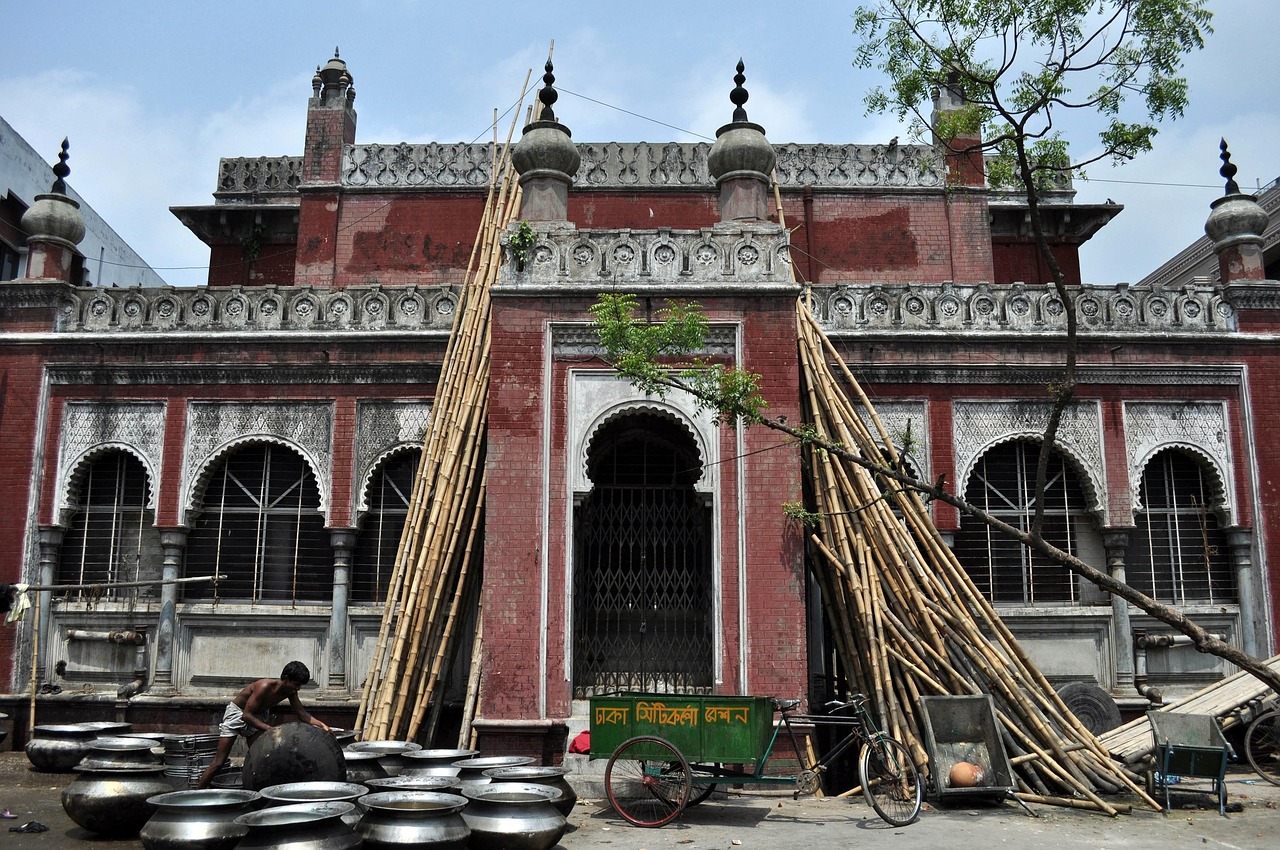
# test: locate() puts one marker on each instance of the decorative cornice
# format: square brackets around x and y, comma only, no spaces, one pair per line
[416,373]
[1041,377]
[578,339]
[1022,309]
[258,308]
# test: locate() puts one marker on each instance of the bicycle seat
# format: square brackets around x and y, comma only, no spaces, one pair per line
[784,704]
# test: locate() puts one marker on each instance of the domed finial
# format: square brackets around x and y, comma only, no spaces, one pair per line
[1228,169]
[548,95]
[739,95]
[62,170]
[316,82]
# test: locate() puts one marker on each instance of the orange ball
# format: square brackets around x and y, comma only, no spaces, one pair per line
[967,775]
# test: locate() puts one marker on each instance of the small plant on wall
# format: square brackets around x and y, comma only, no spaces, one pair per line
[522,242]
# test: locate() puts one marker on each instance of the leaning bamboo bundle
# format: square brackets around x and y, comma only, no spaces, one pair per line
[905,617]
[435,583]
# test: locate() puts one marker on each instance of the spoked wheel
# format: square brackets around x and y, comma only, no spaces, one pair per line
[1262,746]
[647,781]
[890,781]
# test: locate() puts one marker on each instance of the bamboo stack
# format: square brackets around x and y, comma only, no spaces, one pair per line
[906,619]
[435,583]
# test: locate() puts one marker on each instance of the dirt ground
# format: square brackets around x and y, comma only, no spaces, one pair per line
[777,822]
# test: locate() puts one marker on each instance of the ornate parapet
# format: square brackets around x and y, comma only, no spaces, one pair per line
[1021,308]
[722,255]
[258,308]
[258,176]
[610,165]
[642,165]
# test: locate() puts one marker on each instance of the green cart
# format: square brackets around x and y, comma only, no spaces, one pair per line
[668,751]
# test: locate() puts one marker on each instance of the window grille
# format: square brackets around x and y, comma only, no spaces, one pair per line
[378,542]
[112,536]
[260,525]
[1178,553]
[643,597]
[1003,484]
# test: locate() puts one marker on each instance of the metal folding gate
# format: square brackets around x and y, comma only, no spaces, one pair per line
[642,618]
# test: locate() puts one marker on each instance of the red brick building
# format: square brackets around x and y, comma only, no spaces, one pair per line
[265,427]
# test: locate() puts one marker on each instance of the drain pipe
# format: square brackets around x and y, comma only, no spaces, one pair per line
[136,637]
[1142,642]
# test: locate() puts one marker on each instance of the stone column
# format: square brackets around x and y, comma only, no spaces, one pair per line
[1241,542]
[50,540]
[1116,542]
[343,541]
[173,542]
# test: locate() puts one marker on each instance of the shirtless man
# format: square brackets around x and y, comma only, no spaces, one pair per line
[242,714]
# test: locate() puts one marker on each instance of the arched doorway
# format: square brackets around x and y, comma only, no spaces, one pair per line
[643,604]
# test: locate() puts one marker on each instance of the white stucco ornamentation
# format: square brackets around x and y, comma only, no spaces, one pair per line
[215,427]
[384,428]
[90,428]
[977,426]
[897,416]
[597,396]
[1199,428]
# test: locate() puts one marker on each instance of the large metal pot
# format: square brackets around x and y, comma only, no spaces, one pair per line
[411,783]
[362,767]
[390,753]
[58,748]
[435,762]
[512,816]
[197,820]
[112,753]
[106,727]
[552,777]
[293,752]
[395,820]
[302,826]
[114,802]
[291,793]
[471,771]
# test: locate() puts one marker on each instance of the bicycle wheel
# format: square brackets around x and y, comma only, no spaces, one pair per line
[647,781]
[1262,746]
[890,781]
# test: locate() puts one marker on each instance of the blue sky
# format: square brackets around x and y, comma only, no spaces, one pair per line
[151,94]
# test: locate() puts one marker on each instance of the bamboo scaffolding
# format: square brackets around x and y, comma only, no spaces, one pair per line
[904,615]
[436,578]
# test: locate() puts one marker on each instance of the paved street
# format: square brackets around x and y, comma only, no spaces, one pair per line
[773,822]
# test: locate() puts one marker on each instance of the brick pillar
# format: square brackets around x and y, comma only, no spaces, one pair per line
[331,124]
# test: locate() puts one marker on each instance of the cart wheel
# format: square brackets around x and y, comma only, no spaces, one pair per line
[647,781]
[699,792]
[890,781]
[1262,746]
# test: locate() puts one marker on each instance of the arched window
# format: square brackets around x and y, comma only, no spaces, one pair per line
[260,525]
[374,557]
[1178,553]
[112,536]
[1003,484]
